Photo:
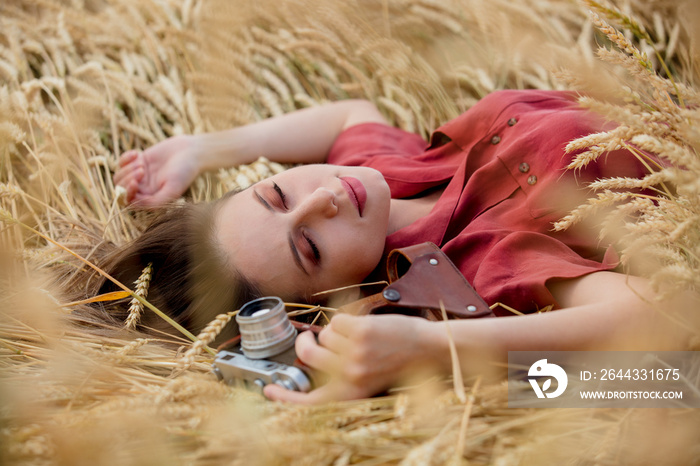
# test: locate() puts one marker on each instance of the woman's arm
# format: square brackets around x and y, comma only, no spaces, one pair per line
[601,311]
[303,136]
[164,171]
[606,311]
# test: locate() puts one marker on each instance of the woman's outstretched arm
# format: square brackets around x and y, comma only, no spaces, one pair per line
[605,311]
[164,171]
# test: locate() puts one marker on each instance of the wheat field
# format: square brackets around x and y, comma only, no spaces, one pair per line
[82,81]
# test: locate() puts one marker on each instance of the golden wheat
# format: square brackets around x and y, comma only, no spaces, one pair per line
[77,88]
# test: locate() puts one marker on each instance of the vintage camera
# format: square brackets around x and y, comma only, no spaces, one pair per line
[264,353]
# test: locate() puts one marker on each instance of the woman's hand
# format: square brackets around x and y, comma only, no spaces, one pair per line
[362,356]
[161,173]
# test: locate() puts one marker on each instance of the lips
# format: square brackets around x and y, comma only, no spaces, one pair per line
[356,192]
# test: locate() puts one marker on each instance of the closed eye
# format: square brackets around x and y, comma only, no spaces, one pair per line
[314,250]
[281,194]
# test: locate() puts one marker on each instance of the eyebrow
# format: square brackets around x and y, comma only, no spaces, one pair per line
[292,246]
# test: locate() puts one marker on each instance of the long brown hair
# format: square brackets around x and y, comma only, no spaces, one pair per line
[191,279]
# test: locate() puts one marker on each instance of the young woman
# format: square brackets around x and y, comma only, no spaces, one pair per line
[486,189]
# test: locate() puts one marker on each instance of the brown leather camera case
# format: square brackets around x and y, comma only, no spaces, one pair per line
[422,278]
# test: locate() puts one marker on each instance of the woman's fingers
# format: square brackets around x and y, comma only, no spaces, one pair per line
[318,358]
[335,390]
[347,325]
[126,177]
[334,341]
[315,355]
[131,190]
[128,157]
[277,393]
[329,392]
[119,176]
[134,166]
[131,182]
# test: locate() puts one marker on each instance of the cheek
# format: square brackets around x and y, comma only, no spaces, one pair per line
[364,253]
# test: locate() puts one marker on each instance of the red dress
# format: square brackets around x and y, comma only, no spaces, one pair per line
[502,164]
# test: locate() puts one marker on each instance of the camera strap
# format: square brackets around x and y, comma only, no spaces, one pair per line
[421,278]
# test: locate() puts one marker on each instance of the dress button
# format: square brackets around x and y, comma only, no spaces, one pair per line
[524,167]
[495,140]
[512,122]
[532,179]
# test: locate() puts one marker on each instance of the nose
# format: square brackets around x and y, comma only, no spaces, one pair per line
[321,203]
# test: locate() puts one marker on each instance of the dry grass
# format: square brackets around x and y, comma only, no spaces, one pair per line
[81,82]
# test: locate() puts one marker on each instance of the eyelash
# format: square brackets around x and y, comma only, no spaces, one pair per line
[317,255]
[283,198]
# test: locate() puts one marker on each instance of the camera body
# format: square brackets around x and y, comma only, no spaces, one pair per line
[233,367]
[264,353]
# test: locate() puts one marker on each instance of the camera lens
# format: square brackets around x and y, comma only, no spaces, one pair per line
[265,328]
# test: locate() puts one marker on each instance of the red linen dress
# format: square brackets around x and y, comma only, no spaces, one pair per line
[502,164]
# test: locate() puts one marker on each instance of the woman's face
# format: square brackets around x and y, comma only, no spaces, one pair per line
[308,229]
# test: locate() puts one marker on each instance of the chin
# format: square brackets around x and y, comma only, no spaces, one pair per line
[372,175]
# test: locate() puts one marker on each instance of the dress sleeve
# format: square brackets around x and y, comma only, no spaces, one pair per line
[516,271]
[359,144]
